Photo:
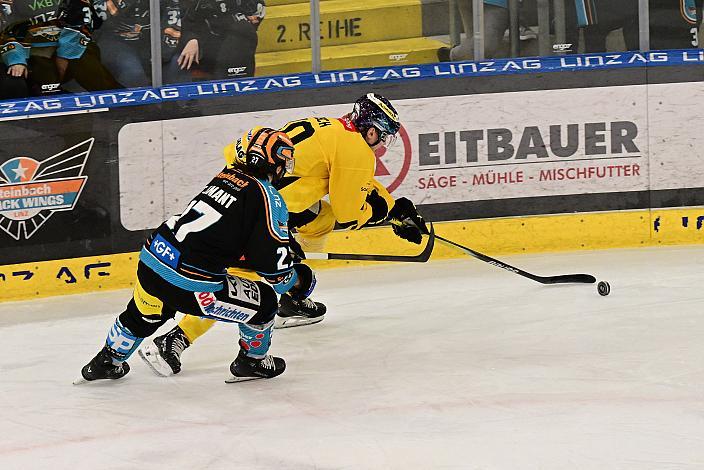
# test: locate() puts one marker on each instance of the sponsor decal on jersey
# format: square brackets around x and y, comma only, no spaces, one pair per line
[243,289]
[165,251]
[32,190]
[47,33]
[214,308]
[41,4]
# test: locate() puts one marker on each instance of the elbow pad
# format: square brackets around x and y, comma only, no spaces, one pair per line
[72,44]
[14,53]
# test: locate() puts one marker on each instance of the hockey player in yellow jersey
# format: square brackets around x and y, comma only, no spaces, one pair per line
[334,157]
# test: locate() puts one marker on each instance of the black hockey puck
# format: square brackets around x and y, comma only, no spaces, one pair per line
[603,288]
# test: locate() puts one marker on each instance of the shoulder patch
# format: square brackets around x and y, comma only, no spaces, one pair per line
[347,124]
[276,210]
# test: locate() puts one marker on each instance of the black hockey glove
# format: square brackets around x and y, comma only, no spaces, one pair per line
[406,222]
[306,282]
[379,207]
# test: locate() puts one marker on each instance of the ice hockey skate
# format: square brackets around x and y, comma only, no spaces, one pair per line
[163,354]
[102,367]
[298,312]
[245,368]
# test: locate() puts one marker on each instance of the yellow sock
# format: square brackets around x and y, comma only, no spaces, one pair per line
[195,327]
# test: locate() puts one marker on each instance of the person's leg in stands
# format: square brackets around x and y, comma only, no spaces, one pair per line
[122,59]
[90,72]
[495,23]
[235,55]
[43,77]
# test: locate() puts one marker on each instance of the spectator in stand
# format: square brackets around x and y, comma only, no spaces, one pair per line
[49,44]
[218,40]
[496,21]
[496,24]
[11,87]
[673,23]
[125,39]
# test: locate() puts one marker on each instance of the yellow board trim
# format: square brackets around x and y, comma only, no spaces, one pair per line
[495,237]
[398,52]
[70,276]
[287,27]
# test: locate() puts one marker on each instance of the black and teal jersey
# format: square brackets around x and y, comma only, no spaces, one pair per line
[236,221]
[129,20]
[64,24]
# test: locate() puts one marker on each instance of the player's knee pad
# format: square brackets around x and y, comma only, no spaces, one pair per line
[268,304]
[140,324]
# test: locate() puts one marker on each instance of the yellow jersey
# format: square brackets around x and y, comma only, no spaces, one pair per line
[331,158]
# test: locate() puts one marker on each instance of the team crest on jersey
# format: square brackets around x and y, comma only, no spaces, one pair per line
[32,190]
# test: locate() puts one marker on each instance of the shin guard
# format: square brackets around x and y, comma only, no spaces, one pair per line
[121,342]
[256,339]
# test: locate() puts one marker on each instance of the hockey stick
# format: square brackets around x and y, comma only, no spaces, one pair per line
[419,258]
[561,279]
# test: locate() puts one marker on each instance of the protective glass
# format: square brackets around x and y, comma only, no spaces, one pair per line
[386,139]
[286,153]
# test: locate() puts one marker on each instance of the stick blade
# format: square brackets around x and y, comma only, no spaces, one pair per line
[567,279]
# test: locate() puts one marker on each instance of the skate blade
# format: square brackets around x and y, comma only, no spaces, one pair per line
[150,355]
[292,322]
[80,381]
[234,379]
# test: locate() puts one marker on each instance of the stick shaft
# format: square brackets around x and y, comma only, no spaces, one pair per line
[560,279]
[422,257]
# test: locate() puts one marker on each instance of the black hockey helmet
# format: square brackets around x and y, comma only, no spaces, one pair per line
[373,110]
[262,152]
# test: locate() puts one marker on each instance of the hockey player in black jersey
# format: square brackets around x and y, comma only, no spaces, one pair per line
[182,266]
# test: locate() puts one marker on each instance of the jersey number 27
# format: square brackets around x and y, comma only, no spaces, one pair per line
[197,216]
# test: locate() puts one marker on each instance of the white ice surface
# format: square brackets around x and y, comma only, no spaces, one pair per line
[447,365]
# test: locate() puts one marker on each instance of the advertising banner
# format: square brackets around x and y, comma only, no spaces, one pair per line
[452,149]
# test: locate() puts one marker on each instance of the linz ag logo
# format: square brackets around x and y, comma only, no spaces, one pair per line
[32,190]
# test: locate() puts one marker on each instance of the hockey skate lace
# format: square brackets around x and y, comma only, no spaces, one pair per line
[309,304]
[268,362]
[178,345]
